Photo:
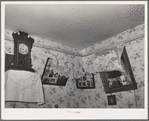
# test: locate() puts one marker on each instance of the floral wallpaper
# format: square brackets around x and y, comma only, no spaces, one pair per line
[40,41]
[69,96]
[113,40]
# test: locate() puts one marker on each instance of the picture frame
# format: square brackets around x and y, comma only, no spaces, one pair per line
[111,100]
[116,81]
[86,82]
[51,78]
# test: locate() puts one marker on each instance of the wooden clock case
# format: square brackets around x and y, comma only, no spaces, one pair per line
[22,61]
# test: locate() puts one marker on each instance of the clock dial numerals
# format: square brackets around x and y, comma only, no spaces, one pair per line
[23,48]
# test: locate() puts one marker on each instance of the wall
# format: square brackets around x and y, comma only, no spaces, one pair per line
[39,42]
[135,50]
[125,99]
[70,97]
[64,97]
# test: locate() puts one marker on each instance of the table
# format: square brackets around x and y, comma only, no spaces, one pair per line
[24,86]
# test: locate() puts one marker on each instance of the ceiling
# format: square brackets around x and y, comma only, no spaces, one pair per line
[75,25]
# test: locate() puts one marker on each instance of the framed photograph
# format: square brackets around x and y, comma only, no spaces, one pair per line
[116,81]
[111,100]
[51,78]
[86,82]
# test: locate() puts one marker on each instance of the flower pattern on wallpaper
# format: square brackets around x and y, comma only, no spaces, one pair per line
[136,56]
[71,63]
[70,97]
[113,40]
[49,43]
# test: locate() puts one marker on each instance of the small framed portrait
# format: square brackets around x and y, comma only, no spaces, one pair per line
[86,82]
[111,100]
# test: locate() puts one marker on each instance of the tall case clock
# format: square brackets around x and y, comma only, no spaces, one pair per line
[22,51]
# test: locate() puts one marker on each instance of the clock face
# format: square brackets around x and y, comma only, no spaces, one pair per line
[23,48]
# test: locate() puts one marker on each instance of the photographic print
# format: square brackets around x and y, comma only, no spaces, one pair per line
[51,78]
[68,57]
[86,82]
[111,100]
[116,81]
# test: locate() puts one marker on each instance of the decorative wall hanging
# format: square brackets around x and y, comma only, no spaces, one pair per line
[111,100]
[22,51]
[51,77]
[86,82]
[107,60]
[116,81]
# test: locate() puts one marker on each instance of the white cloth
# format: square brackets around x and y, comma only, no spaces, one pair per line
[23,86]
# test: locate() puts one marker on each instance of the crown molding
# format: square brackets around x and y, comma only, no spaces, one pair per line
[123,42]
[7,38]
[56,49]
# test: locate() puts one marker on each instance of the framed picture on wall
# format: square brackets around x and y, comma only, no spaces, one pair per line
[86,82]
[111,100]
[116,81]
[52,78]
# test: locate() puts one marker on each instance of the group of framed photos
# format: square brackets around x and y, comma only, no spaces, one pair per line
[54,78]
[113,81]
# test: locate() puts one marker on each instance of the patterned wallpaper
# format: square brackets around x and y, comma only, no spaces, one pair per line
[39,41]
[69,96]
[113,40]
